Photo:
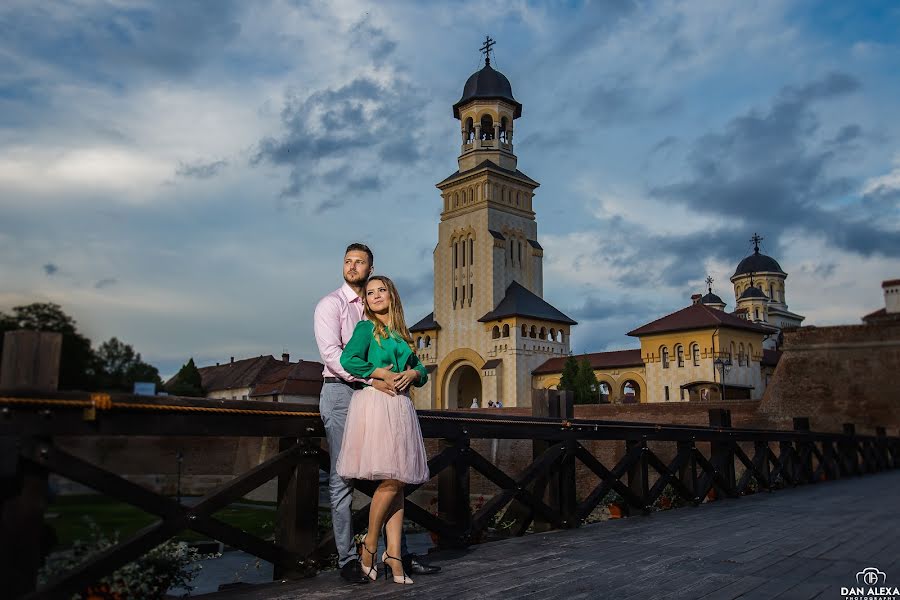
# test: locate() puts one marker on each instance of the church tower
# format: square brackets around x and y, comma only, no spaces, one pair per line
[490,326]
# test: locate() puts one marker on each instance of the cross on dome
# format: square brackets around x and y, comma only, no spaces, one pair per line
[486,49]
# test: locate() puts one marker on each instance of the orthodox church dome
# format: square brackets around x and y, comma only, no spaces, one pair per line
[758,263]
[711,298]
[487,83]
[754,292]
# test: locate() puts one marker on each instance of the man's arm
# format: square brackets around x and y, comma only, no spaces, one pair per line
[327,327]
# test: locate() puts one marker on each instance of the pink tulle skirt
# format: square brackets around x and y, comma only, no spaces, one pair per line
[382,439]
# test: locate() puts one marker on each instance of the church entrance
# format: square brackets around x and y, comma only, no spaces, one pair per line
[463,386]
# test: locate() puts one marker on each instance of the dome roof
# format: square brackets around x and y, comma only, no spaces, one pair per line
[711,298]
[758,263]
[488,83]
[754,292]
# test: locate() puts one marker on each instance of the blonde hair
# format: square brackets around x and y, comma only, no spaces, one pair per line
[396,320]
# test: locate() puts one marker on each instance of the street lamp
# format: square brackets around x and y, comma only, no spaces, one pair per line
[722,364]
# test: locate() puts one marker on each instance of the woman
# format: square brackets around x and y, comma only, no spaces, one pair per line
[382,440]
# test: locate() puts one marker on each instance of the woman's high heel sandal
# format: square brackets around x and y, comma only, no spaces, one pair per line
[402,578]
[370,572]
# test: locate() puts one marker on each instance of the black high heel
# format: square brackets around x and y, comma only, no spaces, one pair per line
[402,578]
[370,572]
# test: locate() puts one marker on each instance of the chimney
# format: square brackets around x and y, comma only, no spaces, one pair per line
[285,357]
[232,359]
[695,298]
[891,295]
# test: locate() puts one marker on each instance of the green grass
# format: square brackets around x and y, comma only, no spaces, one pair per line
[66,514]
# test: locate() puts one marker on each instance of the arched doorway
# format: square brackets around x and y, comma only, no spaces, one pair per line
[463,385]
[630,391]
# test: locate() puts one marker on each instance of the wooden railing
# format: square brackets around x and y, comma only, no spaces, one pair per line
[545,493]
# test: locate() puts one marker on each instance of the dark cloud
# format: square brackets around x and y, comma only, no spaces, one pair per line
[598,309]
[105,283]
[50,269]
[109,43]
[414,290]
[619,101]
[200,170]
[767,171]
[358,126]
[373,39]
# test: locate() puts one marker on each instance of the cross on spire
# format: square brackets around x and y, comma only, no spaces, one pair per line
[486,49]
[756,239]
[709,282]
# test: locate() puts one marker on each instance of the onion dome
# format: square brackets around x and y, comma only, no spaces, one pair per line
[753,292]
[488,84]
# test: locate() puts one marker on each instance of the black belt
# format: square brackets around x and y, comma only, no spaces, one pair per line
[356,385]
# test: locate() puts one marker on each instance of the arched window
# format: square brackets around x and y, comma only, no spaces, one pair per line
[419,342]
[503,123]
[741,355]
[543,333]
[471,195]
[495,333]
[511,258]
[470,130]
[471,252]
[524,331]
[455,200]
[520,252]
[506,330]
[518,198]
[487,127]
[695,354]
[679,355]
[428,341]
[559,336]
[664,353]
[731,354]
[533,331]
[749,353]
[455,255]
[552,337]
[462,254]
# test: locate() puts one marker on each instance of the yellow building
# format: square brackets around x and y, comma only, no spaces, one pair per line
[490,327]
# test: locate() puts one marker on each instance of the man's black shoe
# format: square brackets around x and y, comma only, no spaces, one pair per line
[413,566]
[353,573]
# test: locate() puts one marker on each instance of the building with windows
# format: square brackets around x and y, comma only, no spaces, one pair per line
[491,326]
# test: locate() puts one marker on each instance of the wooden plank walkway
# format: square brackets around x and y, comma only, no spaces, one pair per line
[797,543]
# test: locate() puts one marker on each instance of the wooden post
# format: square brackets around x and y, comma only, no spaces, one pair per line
[298,509]
[24,539]
[453,495]
[686,472]
[30,361]
[637,477]
[722,453]
[849,454]
[802,467]
[565,479]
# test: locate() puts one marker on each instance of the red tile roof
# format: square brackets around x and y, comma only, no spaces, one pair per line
[696,316]
[598,360]
[266,376]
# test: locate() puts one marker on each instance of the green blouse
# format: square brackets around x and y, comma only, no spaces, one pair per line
[363,354]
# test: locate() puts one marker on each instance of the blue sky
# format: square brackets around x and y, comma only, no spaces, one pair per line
[186,175]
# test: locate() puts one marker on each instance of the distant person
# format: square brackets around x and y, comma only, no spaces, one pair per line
[475,403]
[490,404]
[498,404]
[382,439]
[336,317]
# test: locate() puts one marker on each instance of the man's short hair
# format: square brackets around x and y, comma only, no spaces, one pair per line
[361,248]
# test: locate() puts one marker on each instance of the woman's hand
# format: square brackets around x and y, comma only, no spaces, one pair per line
[388,376]
[405,378]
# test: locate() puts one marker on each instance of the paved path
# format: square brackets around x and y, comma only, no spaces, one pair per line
[797,543]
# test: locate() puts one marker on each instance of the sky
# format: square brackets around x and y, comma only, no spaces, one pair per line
[185,175]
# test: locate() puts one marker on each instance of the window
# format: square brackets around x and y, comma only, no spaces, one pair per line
[463,292]
[749,353]
[495,332]
[524,330]
[679,355]
[462,253]
[741,355]
[506,330]
[533,332]
[667,393]
[665,357]
[471,252]
[520,252]
[695,354]
[455,295]
[455,255]
[471,292]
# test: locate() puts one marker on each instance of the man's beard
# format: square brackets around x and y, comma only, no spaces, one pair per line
[355,279]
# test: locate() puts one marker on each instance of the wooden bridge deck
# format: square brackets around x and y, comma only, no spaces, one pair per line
[797,543]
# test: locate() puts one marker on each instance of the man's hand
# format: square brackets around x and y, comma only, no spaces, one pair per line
[405,378]
[383,386]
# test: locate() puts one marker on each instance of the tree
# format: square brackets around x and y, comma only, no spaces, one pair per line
[7,323]
[120,367]
[187,381]
[78,363]
[569,374]
[586,384]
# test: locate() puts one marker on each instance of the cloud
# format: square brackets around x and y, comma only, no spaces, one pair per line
[199,170]
[105,283]
[50,269]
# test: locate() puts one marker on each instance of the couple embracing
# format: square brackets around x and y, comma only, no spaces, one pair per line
[370,422]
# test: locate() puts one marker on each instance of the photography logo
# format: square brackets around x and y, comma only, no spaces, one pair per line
[871,584]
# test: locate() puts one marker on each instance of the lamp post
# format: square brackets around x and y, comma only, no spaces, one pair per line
[722,364]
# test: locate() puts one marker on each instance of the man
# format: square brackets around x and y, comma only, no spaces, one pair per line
[336,316]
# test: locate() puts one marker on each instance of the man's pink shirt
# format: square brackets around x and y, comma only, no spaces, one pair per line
[336,317]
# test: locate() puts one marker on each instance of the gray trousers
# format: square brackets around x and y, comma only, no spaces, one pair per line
[334,402]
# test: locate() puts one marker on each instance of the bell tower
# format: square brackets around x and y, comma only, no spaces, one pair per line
[490,326]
